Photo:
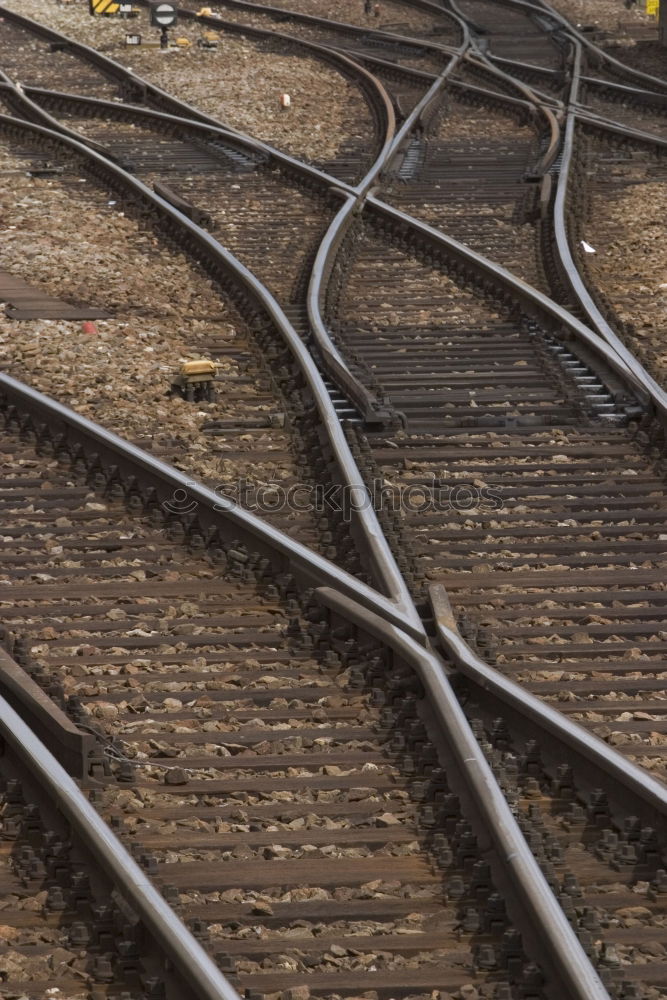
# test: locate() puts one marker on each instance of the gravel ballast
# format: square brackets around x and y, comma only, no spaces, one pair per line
[627,229]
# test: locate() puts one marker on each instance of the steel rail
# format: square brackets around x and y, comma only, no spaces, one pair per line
[419,116]
[417,75]
[656,393]
[331,359]
[422,76]
[163,480]
[168,484]
[382,564]
[473,88]
[330,354]
[22,103]
[644,96]
[242,142]
[308,567]
[541,918]
[544,918]
[377,98]
[538,98]
[529,9]
[334,364]
[544,71]
[200,977]
[578,740]
[651,389]
[583,976]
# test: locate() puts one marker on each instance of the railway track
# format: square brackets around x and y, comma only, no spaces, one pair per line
[249,773]
[292,771]
[67,929]
[500,408]
[532,554]
[246,194]
[357,106]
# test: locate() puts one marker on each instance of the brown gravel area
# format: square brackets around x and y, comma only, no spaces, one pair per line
[627,228]
[164,311]
[240,82]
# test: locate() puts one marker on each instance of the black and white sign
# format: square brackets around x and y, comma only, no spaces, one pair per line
[133,39]
[163,15]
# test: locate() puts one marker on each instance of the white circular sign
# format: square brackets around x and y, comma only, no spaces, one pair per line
[164,14]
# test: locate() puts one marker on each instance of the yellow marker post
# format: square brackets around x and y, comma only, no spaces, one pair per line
[104,6]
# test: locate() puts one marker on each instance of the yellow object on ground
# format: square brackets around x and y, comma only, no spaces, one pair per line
[200,367]
[104,6]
